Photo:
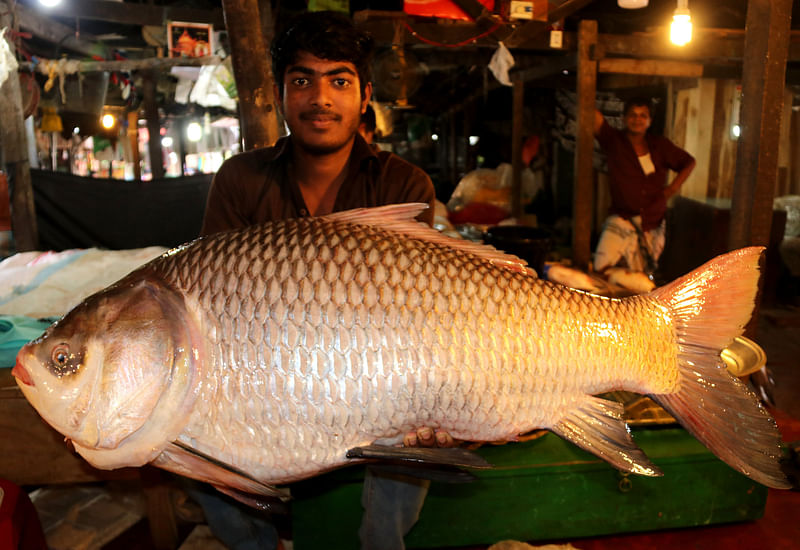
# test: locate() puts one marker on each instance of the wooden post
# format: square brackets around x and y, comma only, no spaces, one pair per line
[251,70]
[153,124]
[133,139]
[14,156]
[452,147]
[763,80]
[583,191]
[518,96]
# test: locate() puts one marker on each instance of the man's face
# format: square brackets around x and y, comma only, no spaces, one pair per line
[637,119]
[321,102]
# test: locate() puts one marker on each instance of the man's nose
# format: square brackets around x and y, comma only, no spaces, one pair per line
[321,94]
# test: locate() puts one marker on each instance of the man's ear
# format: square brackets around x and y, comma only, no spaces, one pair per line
[366,98]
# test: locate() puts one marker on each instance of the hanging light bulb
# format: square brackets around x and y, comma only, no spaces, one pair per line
[632,4]
[680,32]
[108,121]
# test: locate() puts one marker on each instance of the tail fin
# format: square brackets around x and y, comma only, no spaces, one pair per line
[710,307]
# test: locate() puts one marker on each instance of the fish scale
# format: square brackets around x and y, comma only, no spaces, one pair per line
[296,341]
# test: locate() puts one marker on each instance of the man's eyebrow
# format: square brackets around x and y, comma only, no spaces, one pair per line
[309,71]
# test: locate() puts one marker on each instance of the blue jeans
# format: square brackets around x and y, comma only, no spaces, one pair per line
[236,525]
[392,503]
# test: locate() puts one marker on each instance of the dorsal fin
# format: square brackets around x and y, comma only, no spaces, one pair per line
[400,218]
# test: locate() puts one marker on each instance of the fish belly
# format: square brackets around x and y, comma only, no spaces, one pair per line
[326,336]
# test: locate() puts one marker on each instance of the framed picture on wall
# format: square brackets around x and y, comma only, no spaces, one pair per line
[190,39]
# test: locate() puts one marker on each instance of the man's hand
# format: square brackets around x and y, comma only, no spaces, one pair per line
[427,437]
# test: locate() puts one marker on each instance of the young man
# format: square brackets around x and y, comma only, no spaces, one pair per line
[320,63]
[322,86]
[638,166]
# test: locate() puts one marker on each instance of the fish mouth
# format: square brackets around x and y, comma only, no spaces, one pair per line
[20,373]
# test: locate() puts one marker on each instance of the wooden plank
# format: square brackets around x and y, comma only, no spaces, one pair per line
[583,199]
[766,47]
[133,137]
[517,116]
[252,72]
[652,67]
[699,122]
[719,133]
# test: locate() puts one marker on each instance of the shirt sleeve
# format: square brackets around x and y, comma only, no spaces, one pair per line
[420,189]
[224,205]
[676,158]
[606,136]
[403,182]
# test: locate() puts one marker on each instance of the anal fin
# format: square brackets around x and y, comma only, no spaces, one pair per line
[597,426]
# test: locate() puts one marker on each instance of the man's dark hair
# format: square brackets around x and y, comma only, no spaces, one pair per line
[638,102]
[368,119]
[324,34]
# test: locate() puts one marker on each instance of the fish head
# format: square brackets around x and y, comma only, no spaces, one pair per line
[115,373]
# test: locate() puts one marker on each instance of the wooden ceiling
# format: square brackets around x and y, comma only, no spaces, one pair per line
[443,61]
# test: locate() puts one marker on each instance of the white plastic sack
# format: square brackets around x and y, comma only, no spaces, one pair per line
[8,63]
[209,92]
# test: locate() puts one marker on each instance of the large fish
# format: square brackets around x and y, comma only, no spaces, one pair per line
[262,356]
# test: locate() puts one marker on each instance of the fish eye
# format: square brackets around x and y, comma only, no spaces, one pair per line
[60,355]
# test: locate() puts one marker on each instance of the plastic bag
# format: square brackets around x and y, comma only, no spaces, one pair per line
[8,63]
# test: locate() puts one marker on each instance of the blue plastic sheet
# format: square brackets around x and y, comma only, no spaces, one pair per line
[15,332]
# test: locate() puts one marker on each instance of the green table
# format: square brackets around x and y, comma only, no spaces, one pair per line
[544,489]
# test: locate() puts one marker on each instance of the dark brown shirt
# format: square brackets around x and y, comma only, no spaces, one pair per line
[256,187]
[632,192]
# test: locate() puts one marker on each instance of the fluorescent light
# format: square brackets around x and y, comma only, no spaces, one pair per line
[49,3]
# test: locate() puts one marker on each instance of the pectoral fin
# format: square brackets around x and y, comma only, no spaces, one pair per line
[183,459]
[597,426]
[421,455]
[445,465]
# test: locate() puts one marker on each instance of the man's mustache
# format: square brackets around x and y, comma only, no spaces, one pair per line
[320,113]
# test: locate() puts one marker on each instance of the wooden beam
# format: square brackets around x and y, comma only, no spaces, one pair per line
[766,46]
[651,67]
[583,187]
[566,9]
[252,71]
[150,103]
[47,29]
[381,25]
[141,13]
[133,139]
[548,67]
